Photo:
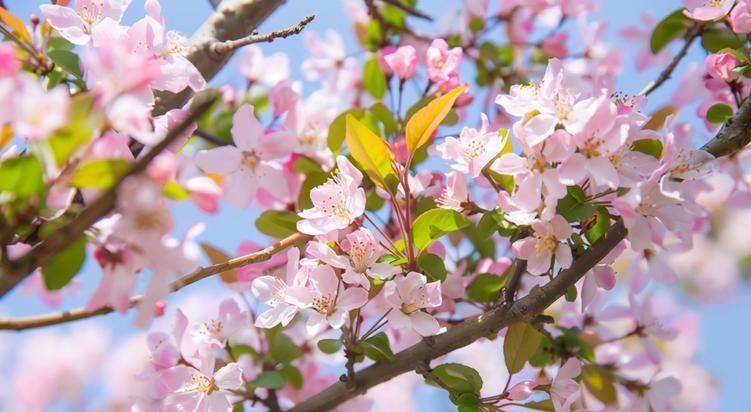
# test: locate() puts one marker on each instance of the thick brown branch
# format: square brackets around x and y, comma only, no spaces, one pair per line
[691,35]
[735,133]
[232,45]
[198,274]
[17,270]
[233,19]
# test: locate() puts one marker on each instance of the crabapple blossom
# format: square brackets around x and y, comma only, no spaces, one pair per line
[707,10]
[76,25]
[336,203]
[473,150]
[407,296]
[740,18]
[442,62]
[331,302]
[720,66]
[402,62]
[250,161]
[539,249]
[285,296]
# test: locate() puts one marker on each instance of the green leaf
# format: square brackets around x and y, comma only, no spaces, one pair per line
[377,347]
[59,43]
[175,191]
[572,209]
[458,377]
[269,380]
[384,115]
[277,223]
[719,113]
[486,287]
[337,129]
[59,271]
[293,376]
[22,176]
[432,266]
[431,225]
[80,128]
[372,153]
[602,224]
[467,402]
[68,61]
[373,78]
[329,345]
[521,342]
[716,39]
[546,405]
[283,350]
[99,173]
[599,382]
[667,30]
[422,124]
[652,147]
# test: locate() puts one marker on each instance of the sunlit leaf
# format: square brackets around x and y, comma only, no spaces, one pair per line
[422,124]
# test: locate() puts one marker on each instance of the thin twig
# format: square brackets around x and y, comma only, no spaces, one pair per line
[691,35]
[30,322]
[231,45]
[518,269]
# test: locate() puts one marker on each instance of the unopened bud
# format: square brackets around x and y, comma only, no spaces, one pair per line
[521,391]
[34,20]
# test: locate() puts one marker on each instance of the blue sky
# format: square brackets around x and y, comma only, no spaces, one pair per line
[724,324]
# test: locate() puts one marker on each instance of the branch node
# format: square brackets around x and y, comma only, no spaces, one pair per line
[221,48]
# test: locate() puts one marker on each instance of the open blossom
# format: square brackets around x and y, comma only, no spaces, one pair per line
[546,105]
[539,248]
[336,203]
[442,62]
[402,62]
[285,296]
[564,390]
[327,54]
[76,25]
[474,149]
[456,192]
[217,331]
[248,164]
[707,10]
[268,70]
[407,296]
[644,57]
[39,112]
[359,262]
[740,17]
[206,390]
[330,301]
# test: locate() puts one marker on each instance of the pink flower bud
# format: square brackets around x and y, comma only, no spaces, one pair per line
[720,66]
[740,18]
[402,62]
[521,391]
[160,307]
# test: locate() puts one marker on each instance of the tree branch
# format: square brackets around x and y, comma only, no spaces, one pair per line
[16,270]
[31,322]
[232,45]
[691,35]
[518,268]
[735,133]
[233,19]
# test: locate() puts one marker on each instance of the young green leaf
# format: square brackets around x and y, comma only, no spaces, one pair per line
[718,113]
[371,152]
[99,173]
[599,382]
[458,377]
[431,225]
[422,124]
[61,269]
[277,223]
[521,342]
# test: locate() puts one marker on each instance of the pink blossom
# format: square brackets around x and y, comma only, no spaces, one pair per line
[253,270]
[539,248]
[39,112]
[703,10]
[442,62]
[403,61]
[474,149]
[720,66]
[407,296]
[360,262]
[331,302]
[521,391]
[217,331]
[269,70]
[456,192]
[564,390]
[249,162]
[9,63]
[555,45]
[77,25]
[336,203]
[205,390]
[283,97]
[285,296]
[119,275]
[327,54]
[740,17]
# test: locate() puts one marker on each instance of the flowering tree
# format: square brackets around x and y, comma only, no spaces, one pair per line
[532,233]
